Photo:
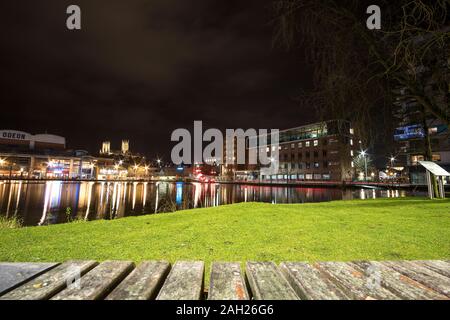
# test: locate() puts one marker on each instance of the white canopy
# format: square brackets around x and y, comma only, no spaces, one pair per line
[435,169]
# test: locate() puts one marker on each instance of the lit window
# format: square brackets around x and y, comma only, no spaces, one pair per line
[436,157]
[268,150]
[351,142]
[316,143]
[300,145]
[352,153]
[352,131]
[353,164]
[307,143]
[292,146]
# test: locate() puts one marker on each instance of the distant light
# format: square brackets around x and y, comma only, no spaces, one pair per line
[120,162]
[363,153]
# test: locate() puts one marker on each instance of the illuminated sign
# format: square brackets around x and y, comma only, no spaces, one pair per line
[409,132]
[14,135]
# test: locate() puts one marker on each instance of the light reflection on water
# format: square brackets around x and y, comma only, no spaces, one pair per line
[40,203]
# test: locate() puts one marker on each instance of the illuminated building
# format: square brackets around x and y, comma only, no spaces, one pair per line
[42,156]
[320,151]
[125,146]
[106,148]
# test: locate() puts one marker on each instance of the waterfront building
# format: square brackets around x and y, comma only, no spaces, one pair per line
[23,155]
[320,151]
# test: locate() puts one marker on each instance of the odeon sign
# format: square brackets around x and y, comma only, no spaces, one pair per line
[14,135]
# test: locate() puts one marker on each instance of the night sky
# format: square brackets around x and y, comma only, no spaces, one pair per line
[140,69]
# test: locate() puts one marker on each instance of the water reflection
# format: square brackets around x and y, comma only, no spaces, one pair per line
[40,203]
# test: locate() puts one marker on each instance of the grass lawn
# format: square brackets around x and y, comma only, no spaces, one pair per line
[337,231]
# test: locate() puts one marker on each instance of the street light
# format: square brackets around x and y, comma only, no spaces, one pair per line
[364,154]
[392,161]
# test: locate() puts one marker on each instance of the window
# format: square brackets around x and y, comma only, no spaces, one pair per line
[307,144]
[292,146]
[316,165]
[415,159]
[437,157]
[352,153]
[308,165]
[352,131]
[268,150]
[326,177]
[351,142]
[324,153]
[300,145]
[353,164]
[316,143]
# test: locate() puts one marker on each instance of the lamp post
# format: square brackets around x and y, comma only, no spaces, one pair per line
[136,167]
[392,159]
[364,154]
[2,162]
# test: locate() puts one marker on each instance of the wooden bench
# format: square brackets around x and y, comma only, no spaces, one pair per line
[121,280]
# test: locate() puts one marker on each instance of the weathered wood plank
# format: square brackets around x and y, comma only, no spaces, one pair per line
[397,283]
[51,282]
[185,282]
[354,283]
[423,275]
[267,283]
[98,282]
[14,274]
[226,282]
[441,267]
[143,283]
[309,283]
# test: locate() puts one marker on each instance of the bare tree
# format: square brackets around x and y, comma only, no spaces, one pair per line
[357,68]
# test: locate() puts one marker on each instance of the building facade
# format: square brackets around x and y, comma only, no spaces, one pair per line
[322,151]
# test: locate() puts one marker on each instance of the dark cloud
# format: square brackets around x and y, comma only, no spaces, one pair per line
[139,69]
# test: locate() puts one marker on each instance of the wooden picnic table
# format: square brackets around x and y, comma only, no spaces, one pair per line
[122,280]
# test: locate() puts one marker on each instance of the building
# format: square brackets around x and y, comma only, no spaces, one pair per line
[106,148]
[19,141]
[413,125]
[320,151]
[42,156]
[125,146]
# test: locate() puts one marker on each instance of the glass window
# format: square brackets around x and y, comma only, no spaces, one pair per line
[307,143]
[316,143]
